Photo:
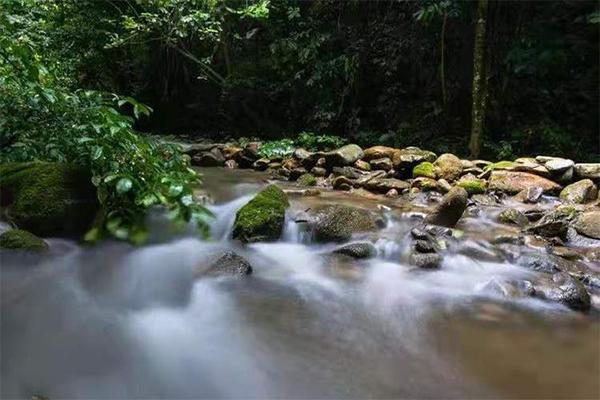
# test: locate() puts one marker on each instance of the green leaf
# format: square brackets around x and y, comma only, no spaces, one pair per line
[175,190]
[124,185]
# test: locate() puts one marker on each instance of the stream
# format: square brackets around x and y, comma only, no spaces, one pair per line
[114,321]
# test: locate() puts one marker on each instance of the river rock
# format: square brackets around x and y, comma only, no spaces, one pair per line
[557,166]
[348,172]
[392,193]
[231,164]
[297,173]
[229,264]
[385,185]
[588,224]
[450,209]
[337,223]
[301,154]
[563,288]
[48,199]
[362,165]
[589,170]
[18,239]
[448,167]
[384,164]
[377,152]
[424,169]
[212,158]
[307,180]
[426,260]
[513,216]
[263,217]
[261,164]
[554,223]
[342,183]
[530,195]
[409,157]
[318,171]
[345,155]
[580,192]
[425,184]
[472,184]
[358,250]
[515,181]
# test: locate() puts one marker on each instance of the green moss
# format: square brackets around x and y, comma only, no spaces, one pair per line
[48,198]
[473,186]
[425,169]
[513,216]
[499,165]
[307,180]
[17,239]
[262,218]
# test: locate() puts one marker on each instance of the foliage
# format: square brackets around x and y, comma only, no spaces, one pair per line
[45,120]
[315,142]
[277,148]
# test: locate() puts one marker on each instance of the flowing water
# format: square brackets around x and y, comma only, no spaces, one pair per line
[115,321]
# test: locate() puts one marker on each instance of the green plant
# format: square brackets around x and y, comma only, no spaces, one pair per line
[44,120]
[315,142]
[277,148]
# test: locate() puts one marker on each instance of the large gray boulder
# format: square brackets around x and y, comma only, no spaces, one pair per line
[450,209]
[337,223]
[345,155]
[580,192]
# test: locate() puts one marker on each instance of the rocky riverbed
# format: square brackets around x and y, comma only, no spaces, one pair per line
[354,282]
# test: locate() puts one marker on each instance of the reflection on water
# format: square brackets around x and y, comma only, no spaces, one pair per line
[119,322]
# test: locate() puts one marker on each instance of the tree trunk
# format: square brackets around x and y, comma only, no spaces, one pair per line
[443,61]
[479,80]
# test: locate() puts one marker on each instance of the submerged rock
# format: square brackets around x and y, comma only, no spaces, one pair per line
[450,209]
[580,192]
[357,250]
[337,223]
[513,216]
[229,264]
[563,288]
[48,199]
[18,239]
[426,260]
[263,217]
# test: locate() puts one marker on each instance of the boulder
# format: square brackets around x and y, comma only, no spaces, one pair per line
[231,152]
[383,164]
[424,169]
[318,171]
[261,164]
[392,193]
[297,173]
[425,184]
[301,154]
[448,167]
[212,158]
[385,185]
[229,264]
[337,223]
[588,224]
[554,223]
[377,152]
[263,217]
[348,172]
[580,192]
[345,155]
[589,170]
[563,288]
[48,199]
[450,209]
[357,250]
[515,181]
[513,216]
[18,239]
[560,168]
[406,159]
[307,180]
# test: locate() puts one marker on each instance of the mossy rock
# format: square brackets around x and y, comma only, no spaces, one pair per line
[425,169]
[473,186]
[499,165]
[262,218]
[18,239]
[48,198]
[513,216]
[307,180]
